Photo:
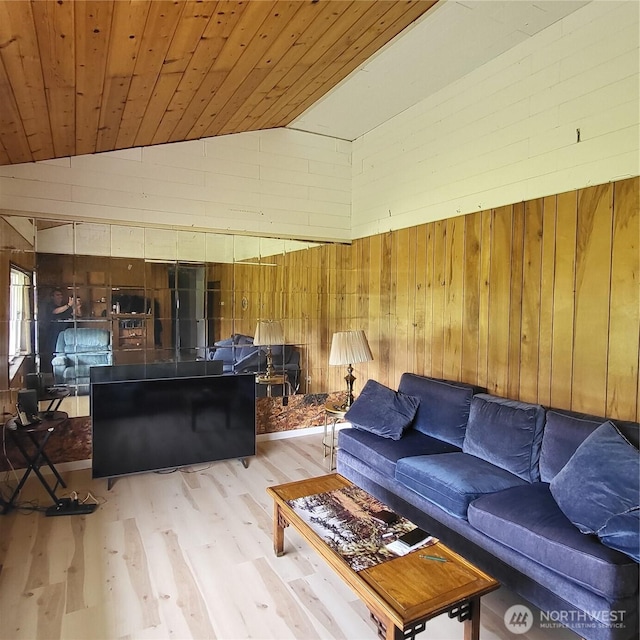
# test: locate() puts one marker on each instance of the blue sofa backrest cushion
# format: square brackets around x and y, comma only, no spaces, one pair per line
[444,406]
[506,433]
[564,432]
[236,339]
[281,353]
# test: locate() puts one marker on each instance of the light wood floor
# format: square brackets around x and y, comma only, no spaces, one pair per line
[189,555]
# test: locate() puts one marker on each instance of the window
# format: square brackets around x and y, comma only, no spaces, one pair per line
[20,314]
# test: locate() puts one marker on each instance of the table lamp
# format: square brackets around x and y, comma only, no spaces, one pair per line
[349,347]
[268,333]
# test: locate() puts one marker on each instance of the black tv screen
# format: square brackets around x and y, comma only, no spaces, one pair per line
[164,423]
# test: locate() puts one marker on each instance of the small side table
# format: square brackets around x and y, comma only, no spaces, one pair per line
[39,435]
[277,379]
[54,396]
[332,413]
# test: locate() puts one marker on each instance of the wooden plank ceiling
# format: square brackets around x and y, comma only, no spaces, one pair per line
[80,76]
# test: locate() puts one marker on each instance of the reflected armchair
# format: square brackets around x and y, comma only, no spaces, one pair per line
[78,349]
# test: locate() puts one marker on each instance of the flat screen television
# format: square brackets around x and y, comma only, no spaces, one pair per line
[159,423]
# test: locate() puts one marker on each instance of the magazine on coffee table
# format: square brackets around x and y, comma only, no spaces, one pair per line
[414,539]
[349,521]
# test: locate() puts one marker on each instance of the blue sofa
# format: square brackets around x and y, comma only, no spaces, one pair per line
[239,355]
[487,475]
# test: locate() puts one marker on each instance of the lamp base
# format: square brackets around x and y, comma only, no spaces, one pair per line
[350,379]
[270,370]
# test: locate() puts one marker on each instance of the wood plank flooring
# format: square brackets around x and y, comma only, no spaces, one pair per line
[189,555]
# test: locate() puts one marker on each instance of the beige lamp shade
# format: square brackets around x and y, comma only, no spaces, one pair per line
[349,347]
[268,332]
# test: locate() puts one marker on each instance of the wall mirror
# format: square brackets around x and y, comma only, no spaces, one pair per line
[131,295]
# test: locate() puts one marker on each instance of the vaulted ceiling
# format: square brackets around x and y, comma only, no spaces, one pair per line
[86,76]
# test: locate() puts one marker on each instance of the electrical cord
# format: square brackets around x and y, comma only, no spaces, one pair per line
[196,470]
[189,469]
[95,500]
[75,497]
[28,507]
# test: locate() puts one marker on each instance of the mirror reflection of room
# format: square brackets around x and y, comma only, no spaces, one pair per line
[91,310]
[128,312]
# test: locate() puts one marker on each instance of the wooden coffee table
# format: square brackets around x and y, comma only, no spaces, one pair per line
[402,594]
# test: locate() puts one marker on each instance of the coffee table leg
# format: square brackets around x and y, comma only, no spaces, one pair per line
[387,630]
[279,523]
[472,624]
[468,614]
[393,633]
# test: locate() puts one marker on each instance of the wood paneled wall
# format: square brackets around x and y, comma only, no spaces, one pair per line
[538,301]
[308,290]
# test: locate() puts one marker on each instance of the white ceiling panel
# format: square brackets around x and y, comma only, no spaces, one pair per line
[448,42]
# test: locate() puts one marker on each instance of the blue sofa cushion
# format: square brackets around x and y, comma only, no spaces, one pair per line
[382,411]
[563,433]
[600,481]
[621,533]
[506,433]
[444,406]
[382,453]
[453,480]
[528,520]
